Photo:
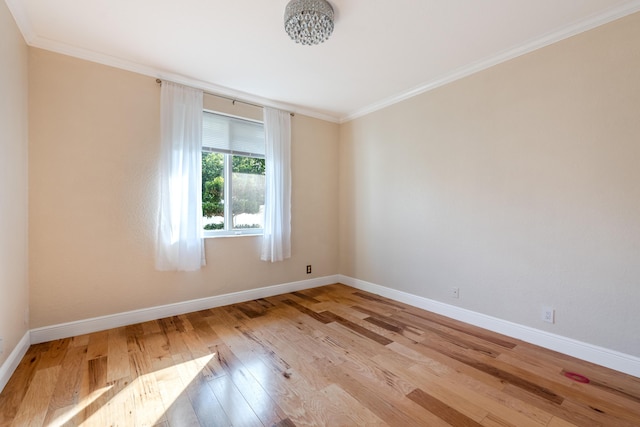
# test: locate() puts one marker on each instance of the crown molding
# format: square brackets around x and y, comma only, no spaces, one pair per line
[19,13]
[527,47]
[17,9]
[112,61]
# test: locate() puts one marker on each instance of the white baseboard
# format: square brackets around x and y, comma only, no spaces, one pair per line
[12,362]
[599,355]
[86,326]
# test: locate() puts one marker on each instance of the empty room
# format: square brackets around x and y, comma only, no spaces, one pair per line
[320,213]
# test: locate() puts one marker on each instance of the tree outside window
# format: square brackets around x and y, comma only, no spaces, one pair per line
[232,164]
[247,189]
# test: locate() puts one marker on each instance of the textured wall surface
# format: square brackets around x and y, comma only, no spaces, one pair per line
[14,285]
[94,148]
[520,185]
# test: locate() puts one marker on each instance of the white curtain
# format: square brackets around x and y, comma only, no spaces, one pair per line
[276,242]
[180,245]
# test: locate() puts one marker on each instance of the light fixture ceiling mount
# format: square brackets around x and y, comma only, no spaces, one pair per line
[308,22]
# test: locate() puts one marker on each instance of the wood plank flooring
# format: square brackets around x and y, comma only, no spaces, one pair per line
[330,356]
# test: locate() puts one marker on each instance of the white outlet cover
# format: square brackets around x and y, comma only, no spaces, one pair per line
[548,314]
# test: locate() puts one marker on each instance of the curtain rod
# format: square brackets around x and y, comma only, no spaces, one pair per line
[233,100]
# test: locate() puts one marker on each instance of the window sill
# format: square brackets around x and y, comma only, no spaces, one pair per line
[232,234]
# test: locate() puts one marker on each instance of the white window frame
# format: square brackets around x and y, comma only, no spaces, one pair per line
[228,186]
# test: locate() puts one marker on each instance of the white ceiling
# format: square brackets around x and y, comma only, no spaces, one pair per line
[380,51]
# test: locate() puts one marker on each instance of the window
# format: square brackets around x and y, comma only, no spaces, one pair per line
[233,175]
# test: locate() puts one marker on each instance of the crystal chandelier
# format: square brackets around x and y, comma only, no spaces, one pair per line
[308,21]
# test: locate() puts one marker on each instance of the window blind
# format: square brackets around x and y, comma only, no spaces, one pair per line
[230,135]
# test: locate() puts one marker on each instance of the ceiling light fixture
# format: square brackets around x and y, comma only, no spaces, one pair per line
[308,21]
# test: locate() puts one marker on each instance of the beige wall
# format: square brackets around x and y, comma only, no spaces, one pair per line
[14,286]
[94,134]
[519,184]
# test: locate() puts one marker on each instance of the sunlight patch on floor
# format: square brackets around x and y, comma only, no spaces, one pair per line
[68,413]
[121,402]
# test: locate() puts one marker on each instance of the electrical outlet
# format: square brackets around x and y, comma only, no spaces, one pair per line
[308,269]
[548,314]
[455,292]
[1,346]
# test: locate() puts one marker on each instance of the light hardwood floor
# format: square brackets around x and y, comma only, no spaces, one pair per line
[330,356]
